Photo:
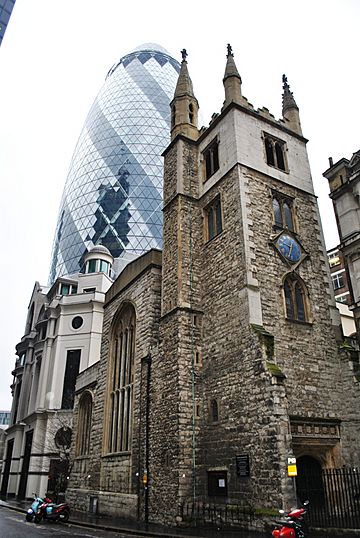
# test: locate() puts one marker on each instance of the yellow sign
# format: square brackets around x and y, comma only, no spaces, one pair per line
[292,470]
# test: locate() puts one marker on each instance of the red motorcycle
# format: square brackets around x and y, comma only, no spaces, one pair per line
[293,525]
[52,512]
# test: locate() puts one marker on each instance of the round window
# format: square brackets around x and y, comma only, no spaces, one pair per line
[63,437]
[77,322]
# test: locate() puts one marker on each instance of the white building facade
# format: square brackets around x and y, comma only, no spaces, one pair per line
[62,338]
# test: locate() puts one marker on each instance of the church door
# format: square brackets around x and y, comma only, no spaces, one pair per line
[309,482]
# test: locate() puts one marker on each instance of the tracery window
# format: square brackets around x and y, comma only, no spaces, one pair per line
[283,211]
[214,411]
[84,424]
[211,158]
[295,295]
[275,152]
[213,217]
[121,382]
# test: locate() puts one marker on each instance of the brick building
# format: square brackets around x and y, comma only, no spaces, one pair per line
[219,356]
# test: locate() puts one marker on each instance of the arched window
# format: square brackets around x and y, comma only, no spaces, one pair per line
[279,156]
[288,215]
[121,382]
[269,147]
[283,211]
[84,425]
[295,298]
[214,411]
[277,213]
[275,152]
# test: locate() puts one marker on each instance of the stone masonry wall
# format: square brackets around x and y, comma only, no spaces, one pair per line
[115,478]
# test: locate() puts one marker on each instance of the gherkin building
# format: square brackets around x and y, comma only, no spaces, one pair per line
[113,192]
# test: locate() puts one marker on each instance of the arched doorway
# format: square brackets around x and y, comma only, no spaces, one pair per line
[309,482]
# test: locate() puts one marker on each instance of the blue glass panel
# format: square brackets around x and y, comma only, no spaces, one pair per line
[113,192]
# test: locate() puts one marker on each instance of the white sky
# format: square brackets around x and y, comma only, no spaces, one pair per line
[54,59]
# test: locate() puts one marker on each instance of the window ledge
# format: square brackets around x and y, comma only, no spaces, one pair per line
[117,454]
[276,168]
[208,241]
[298,322]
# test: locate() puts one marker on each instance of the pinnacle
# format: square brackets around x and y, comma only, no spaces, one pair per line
[231,69]
[288,98]
[184,85]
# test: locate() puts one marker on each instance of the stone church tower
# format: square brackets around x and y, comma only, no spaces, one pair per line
[249,371]
[220,356]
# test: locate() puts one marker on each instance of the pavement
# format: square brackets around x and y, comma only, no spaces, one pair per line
[121,525]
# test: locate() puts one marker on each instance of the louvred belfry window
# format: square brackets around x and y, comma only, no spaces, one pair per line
[211,158]
[275,150]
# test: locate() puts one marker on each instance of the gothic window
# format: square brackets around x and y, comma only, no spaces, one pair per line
[211,158]
[121,382]
[84,425]
[71,373]
[282,211]
[214,411]
[275,152]
[213,217]
[295,298]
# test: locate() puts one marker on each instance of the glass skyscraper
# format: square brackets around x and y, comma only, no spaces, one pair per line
[113,192]
[6,7]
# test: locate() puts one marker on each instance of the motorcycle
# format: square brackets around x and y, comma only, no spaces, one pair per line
[52,512]
[30,514]
[293,525]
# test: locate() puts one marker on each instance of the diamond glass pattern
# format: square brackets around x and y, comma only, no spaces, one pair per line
[113,192]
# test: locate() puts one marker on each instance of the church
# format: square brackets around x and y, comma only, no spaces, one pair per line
[221,355]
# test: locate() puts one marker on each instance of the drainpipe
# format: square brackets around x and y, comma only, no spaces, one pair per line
[147,360]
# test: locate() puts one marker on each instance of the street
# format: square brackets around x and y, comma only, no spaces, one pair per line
[13,525]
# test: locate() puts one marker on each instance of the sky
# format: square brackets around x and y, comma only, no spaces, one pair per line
[54,59]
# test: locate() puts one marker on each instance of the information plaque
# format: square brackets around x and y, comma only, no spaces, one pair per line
[243,465]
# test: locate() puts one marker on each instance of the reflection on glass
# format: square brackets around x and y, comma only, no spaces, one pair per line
[113,192]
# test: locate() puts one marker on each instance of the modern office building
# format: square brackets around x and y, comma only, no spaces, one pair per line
[5,418]
[113,192]
[6,7]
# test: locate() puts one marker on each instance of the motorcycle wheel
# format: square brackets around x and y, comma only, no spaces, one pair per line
[29,517]
[64,517]
[38,519]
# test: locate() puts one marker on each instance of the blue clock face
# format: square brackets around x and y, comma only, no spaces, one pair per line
[289,248]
